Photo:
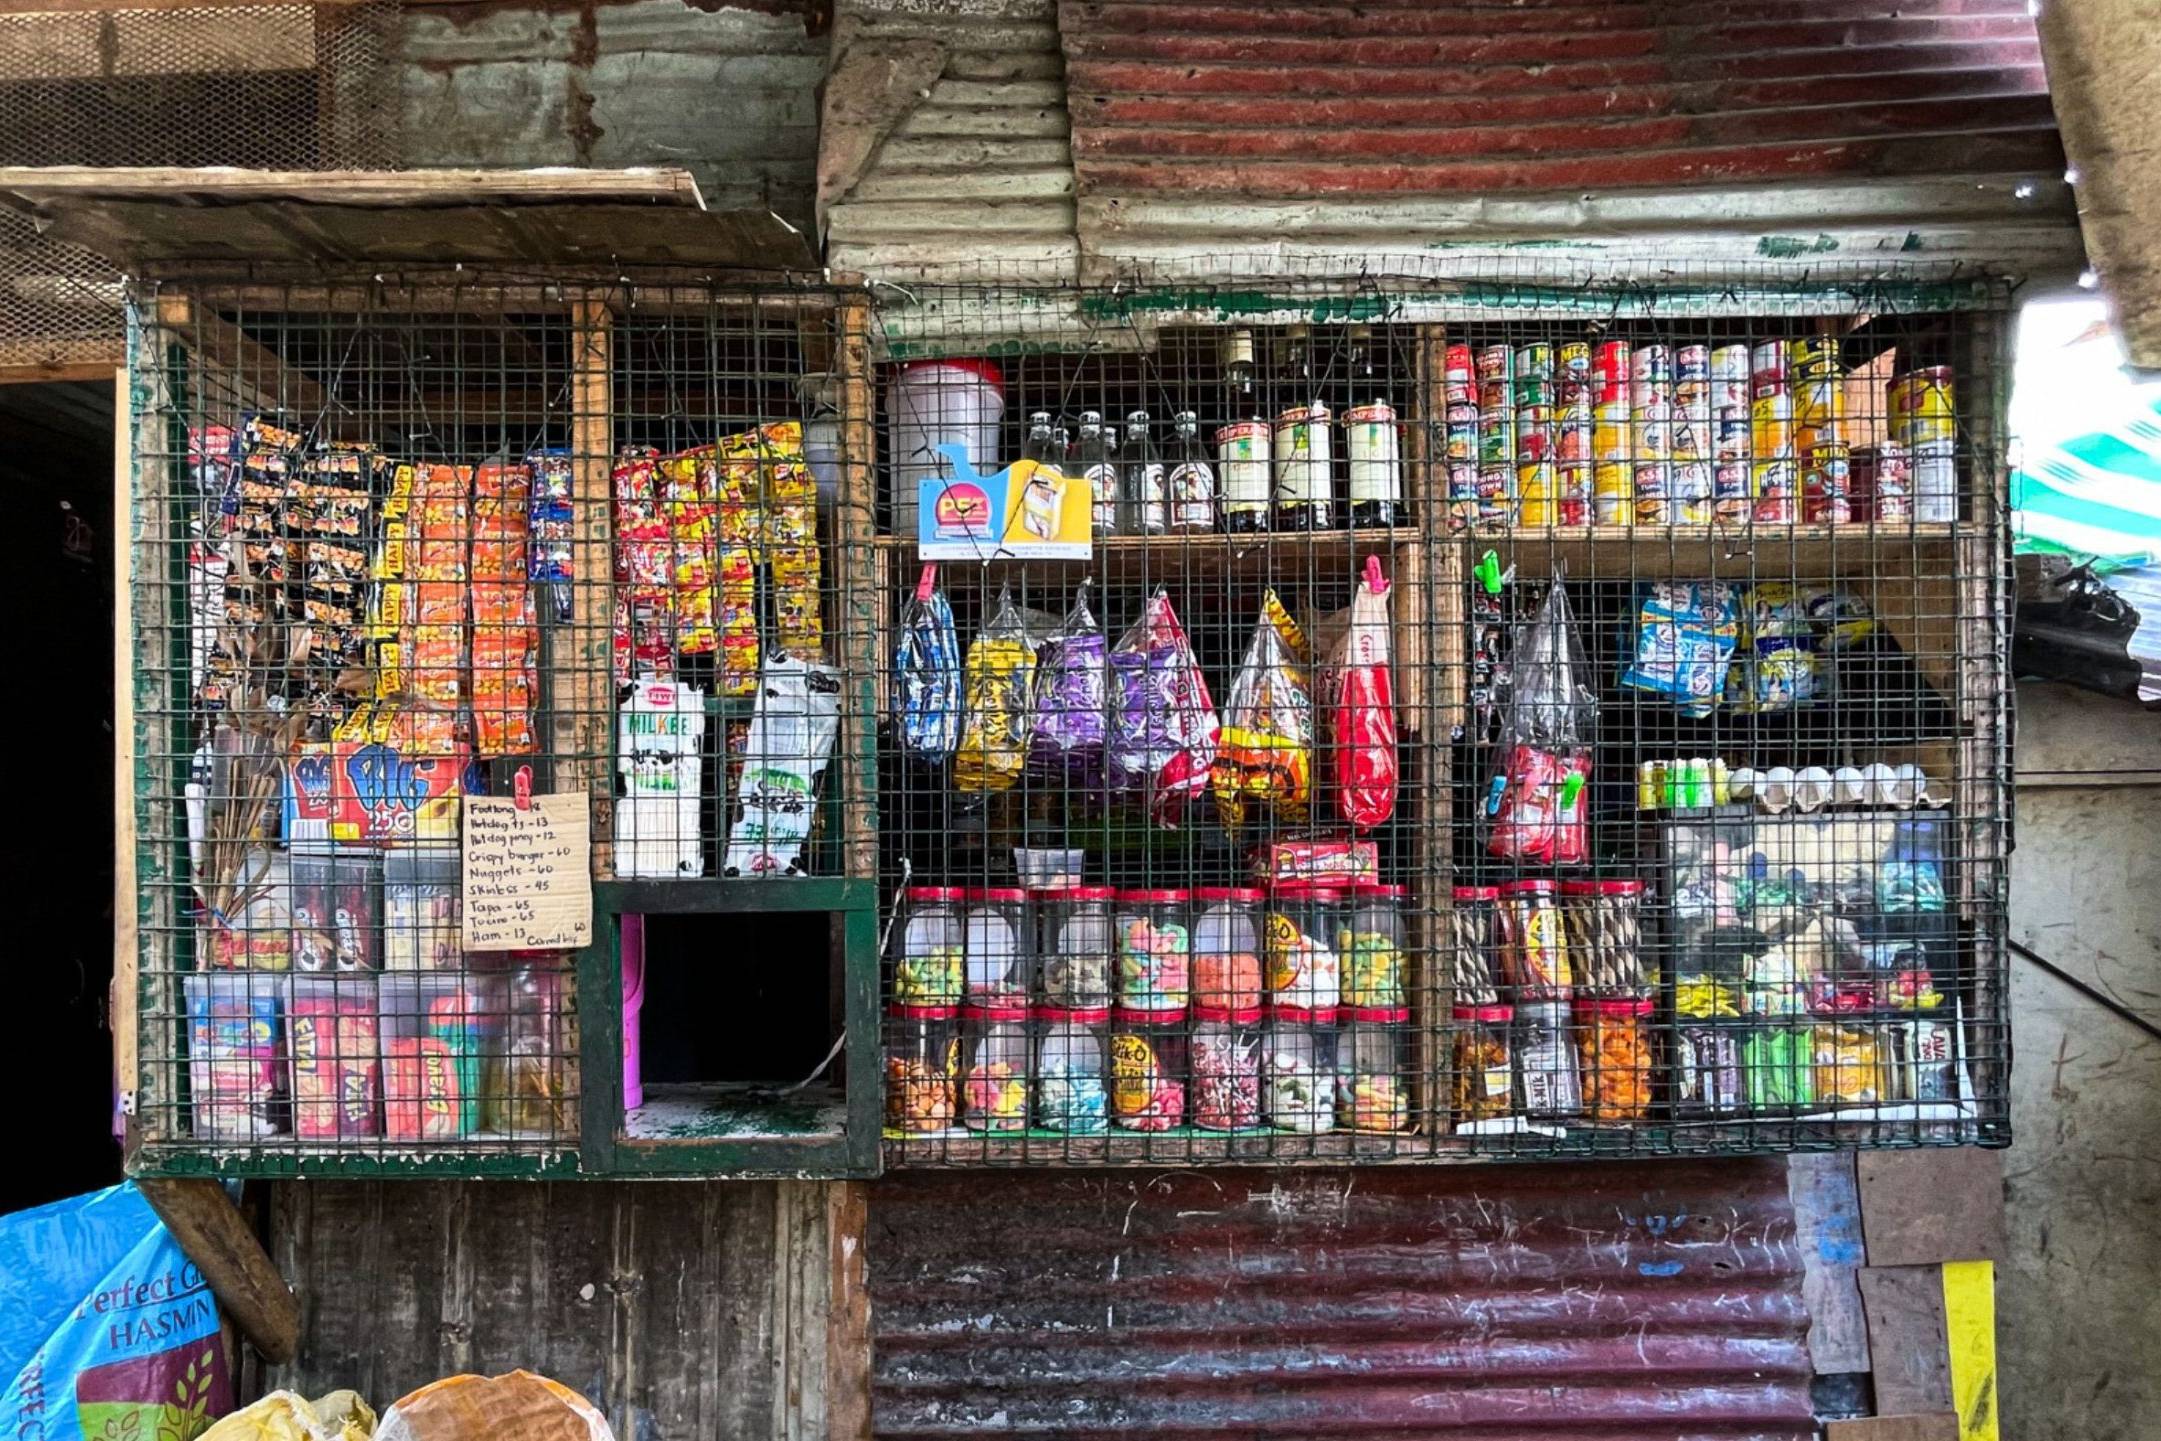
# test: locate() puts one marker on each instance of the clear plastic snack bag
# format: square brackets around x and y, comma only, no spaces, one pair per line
[998,702]
[926,673]
[1264,751]
[1163,726]
[1535,805]
[1072,714]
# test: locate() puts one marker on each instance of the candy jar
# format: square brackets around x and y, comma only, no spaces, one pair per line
[1299,1066]
[1154,951]
[927,971]
[1546,1061]
[1079,939]
[1613,1043]
[1303,968]
[1148,1069]
[1226,1057]
[1226,947]
[995,956]
[1474,945]
[920,1057]
[1534,944]
[994,1088]
[1371,947]
[1601,922]
[1373,1070]
[1069,1051]
[1483,1065]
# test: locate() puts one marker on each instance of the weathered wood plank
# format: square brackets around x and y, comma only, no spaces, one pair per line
[221,1243]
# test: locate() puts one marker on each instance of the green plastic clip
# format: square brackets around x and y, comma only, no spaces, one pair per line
[1488,572]
[1570,789]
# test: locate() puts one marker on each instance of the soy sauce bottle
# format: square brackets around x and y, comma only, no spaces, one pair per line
[1192,481]
[1092,459]
[1038,448]
[1141,509]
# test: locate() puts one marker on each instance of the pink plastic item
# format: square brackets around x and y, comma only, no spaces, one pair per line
[633,1005]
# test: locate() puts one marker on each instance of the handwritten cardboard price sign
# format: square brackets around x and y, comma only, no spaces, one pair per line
[528,873]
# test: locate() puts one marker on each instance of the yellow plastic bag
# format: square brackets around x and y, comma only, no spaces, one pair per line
[284,1416]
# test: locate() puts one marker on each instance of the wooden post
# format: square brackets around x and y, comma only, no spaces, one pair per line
[860,606]
[583,667]
[124,1000]
[847,1363]
[218,1239]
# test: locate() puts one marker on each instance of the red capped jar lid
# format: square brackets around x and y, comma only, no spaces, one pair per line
[1530,888]
[1232,1015]
[1377,888]
[1625,887]
[986,370]
[1477,893]
[931,893]
[1310,891]
[1127,1015]
[1074,893]
[921,1013]
[1303,1015]
[1616,1005]
[994,893]
[1153,897]
[994,1013]
[1073,1015]
[1491,1014]
[1379,1015]
[1227,893]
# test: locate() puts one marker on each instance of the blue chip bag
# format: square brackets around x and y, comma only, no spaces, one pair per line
[1684,638]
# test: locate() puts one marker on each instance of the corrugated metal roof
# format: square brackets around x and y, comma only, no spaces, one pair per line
[973,168]
[1610,1303]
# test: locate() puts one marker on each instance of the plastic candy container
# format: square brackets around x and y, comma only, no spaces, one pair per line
[994,1089]
[1546,1062]
[1474,945]
[1374,1058]
[1226,947]
[1303,967]
[1484,1066]
[1155,951]
[1078,943]
[1300,1066]
[1602,924]
[1534,944]
[992,940]
[1148,1069]
[1226,1055]
[1371,946]
[1613,1041]
[1069,1088]
[928,969]
[920,1051]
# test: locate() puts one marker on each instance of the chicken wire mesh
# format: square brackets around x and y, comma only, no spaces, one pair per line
[405,546]
[1500,715]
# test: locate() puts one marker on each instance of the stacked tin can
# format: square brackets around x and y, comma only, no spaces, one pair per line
[1612,442]
[1771,465]
[1692,434]
[1924,423]
[1459,445]
[1650,411]
[1819,431]
[1496,433]
[1572,428]
[1537,487]
[1732,488]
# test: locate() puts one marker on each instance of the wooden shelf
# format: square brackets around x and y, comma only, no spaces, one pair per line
[1767,551]
[1182,557]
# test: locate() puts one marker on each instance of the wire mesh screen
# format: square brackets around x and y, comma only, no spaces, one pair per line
[282,87]
[411,549]
[1504,719]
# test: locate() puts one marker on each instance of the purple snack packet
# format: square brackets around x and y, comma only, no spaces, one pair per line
[1072,715]
[1163,730]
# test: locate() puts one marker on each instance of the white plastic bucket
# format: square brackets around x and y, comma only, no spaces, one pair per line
[934,403]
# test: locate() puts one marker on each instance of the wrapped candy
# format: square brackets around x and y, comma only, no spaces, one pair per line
[997,703]
[1535,806]
[926,673]
[1071,714]
[1162,740]
[1358,705]
[1264,752]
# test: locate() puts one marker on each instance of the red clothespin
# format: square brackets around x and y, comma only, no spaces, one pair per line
[1375,580]
[928,582]
[521,788]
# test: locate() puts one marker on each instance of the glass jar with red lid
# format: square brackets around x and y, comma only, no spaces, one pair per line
[1078,946]
[928,967]
[1371,946]
[1155,951]
[1482,1071]
[1474,956]
[1299,1068]
[1602,921]
[994,1085]
[1373,1068]
[1534,944]
[1148,1069]
[1225,1056]
[1227,947]
[1070,1050]
[921,1062]
[1613,1044]
[994,940]
[1304,925]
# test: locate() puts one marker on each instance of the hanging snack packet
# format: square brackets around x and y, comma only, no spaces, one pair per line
[792,727]
[926,673]
[1071,710]
[998,696]
[1264,752]
[1163,726]
[1535,804]
[1788,634]
[1684,640]
[1358,704]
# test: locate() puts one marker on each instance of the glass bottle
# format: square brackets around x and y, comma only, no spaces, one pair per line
[1374,445]
[1305,480]
[1192,479]
[1038,447]
[1093,463]
[1141,496]
[1246,475]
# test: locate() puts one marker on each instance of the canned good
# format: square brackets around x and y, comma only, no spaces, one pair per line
[1653,430]
[1496,438]
[1611,434]
[1815,358]
[1935,481]
[1534,374]
[1572,432]
[1463,492]
[1534,435]
[1692,487]
[1767,367]
[1654,492]
[1609,372]
[1771,446]
[1819,413]
[1495,366]
[1496,493]
[1460,438]
[1922,407]
[1537,491]
[1459,377]
[1572,372]
[1574,490]
[1692,367]
[1731,502]
[1881,483]
[1613,493]
[1243,468]
[1495,397]
[1826,489]
[1650,375]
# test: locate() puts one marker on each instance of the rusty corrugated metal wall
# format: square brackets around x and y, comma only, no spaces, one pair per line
[1606,1303]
